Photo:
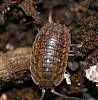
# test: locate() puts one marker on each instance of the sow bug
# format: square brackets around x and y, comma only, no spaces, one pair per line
[49,57]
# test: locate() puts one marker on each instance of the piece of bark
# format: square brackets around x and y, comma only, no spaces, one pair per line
[15,65]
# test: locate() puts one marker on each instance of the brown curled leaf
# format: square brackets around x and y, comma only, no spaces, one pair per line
[27,6]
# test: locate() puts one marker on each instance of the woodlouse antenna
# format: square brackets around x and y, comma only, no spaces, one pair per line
[67,77]
[64,96]
[50,15]
[43,93]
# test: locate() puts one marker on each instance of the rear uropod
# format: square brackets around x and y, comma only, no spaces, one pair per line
[49,55]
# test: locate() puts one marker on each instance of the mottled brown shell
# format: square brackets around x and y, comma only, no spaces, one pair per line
[50,55]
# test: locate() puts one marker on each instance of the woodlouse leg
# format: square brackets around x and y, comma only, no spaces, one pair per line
[43,93]
[77,45]
[64,96]
[50,14]
[71,53]
[67,77]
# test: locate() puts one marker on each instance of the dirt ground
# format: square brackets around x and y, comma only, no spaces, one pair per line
[18,29]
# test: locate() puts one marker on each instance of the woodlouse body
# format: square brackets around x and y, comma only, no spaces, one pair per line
[50,55]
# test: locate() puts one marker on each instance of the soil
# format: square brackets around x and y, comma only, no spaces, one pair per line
[18,29]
